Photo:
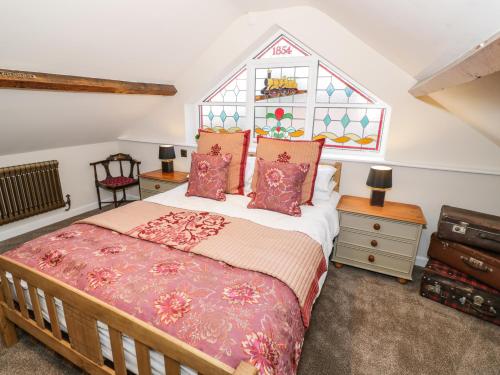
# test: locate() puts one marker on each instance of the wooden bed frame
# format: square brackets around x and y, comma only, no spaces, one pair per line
[81,344]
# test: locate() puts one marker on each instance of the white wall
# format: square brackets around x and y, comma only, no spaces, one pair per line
[419,133]
[77,179]
[427,188]
[476,102]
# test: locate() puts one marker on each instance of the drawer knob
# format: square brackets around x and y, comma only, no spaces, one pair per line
[371,258]
[374,243]
[376,226]
[157,186]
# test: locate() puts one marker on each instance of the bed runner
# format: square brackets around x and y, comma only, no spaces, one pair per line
[292,257]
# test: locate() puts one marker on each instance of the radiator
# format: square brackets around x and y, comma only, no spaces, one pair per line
[29,189]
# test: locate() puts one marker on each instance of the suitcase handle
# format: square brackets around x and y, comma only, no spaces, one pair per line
[485,236]
[476,264]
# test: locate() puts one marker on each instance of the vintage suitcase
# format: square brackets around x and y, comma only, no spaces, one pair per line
[455,289]
[480,264]
[470,228]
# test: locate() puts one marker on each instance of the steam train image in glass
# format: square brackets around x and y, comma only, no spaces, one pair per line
[275,87]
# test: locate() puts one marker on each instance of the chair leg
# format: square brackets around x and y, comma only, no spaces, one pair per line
[124,195]
[99,197]
[114,198]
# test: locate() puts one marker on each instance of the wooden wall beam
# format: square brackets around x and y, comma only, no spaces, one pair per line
[45,81]
[479,62]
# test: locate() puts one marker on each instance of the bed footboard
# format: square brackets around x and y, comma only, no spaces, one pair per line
[81,345]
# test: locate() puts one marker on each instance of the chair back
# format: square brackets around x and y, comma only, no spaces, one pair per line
[121,158]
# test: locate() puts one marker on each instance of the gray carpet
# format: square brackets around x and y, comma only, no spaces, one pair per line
[363,323]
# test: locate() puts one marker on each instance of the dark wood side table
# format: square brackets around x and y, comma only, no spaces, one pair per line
[155,182]
[381,239]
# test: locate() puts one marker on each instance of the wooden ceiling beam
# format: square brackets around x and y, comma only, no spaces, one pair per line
[45,81]
[481,61]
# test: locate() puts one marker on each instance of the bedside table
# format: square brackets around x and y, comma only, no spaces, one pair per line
[381,239]
[155,182]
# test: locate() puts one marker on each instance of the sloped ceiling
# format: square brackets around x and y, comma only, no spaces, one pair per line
[156,40]
[416,35]
[145,41]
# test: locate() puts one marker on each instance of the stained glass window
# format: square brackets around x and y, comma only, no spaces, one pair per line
[349,128]
[281,47]
[222,118]
[280,122]
[286,84]
[291,93]
[234,90]
[331,88]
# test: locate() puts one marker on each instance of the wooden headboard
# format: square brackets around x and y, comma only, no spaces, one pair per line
[336,164]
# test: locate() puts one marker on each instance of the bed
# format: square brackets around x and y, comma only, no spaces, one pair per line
[98,333]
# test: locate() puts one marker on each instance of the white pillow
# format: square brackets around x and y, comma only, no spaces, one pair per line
[324,177]
[249,173]
[324,195]
[324,184]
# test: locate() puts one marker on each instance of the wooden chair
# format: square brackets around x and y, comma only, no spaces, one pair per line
[121,182]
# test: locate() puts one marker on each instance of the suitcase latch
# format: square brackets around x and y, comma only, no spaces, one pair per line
[460,228]
[436,288]
[478,300]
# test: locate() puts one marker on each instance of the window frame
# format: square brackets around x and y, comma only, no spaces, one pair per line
[313,61]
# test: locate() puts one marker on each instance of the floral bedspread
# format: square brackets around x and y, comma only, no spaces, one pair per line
[229,313]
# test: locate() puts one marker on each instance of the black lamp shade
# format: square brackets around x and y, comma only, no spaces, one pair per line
[167,152]
[380,177]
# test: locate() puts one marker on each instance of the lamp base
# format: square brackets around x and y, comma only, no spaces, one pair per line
[377,198]
[167,166]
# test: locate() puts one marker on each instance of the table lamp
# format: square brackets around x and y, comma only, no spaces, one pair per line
[379,180]
[167,154]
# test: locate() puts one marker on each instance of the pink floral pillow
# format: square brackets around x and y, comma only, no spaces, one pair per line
[208,176]
[279,186]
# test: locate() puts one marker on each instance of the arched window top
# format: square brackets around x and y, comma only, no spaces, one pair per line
[286,91]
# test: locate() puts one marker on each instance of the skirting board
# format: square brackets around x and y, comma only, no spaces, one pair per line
[51,218]
[44,221]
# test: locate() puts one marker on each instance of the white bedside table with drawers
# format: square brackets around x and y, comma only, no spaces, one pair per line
[381,239]
[155,182]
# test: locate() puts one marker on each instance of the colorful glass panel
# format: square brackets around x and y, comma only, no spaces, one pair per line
[280,122]
[281,47]
[281,84]
[222,118]
[234,90]
[349,128]
[332,89]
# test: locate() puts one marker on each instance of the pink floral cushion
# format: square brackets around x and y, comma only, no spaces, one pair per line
[279,186]
[208,176]
[118,181]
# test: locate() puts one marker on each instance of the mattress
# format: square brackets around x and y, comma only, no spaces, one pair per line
[320,222]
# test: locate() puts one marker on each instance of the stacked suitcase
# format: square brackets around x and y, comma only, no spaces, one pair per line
[464,267]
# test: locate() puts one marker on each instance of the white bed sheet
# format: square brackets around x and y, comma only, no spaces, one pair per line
[320,222]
